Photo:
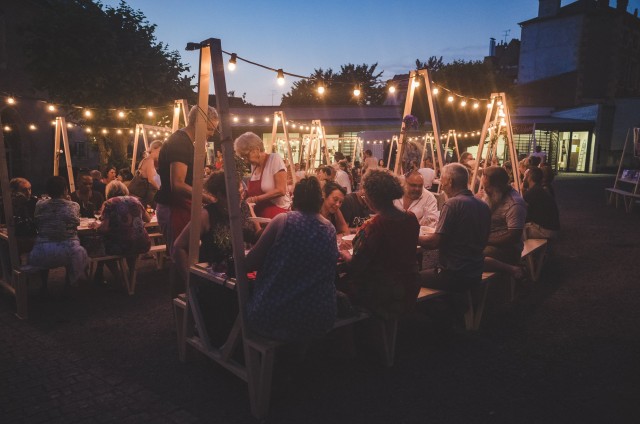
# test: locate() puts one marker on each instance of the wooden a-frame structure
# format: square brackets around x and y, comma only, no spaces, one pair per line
[452,134]
[61,133]
[259,354]
[317,140]
[497,124]
[180,108]
[279,116]
[414,79]
[630,192]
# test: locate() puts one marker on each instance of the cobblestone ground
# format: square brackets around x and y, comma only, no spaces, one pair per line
[566,350]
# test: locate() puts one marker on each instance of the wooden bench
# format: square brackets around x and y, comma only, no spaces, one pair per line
[533,255]
[615,194]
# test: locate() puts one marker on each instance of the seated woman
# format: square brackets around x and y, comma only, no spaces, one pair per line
[382,273]
[57,243]
[267,187]
[215,232]
[333,198]
[294,296]
[123,218]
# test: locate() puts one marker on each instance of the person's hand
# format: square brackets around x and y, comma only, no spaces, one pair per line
[345,255]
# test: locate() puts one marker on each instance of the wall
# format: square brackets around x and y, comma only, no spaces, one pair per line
[549,48]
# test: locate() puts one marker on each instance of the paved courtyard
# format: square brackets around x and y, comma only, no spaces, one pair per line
[566,350]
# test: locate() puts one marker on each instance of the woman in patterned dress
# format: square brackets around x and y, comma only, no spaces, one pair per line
[294,296]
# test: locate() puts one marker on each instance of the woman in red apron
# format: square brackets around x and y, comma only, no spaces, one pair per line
[267,187]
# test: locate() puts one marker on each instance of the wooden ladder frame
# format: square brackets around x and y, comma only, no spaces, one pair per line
[317,140]
[497,117]
[259,353]
[279,116]
[413,77]
[141,129]
[61,132]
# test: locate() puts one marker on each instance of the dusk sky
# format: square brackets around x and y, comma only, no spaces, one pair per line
[302,36]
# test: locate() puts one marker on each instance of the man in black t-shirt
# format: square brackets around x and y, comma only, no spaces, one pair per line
[355,209]
[175,167]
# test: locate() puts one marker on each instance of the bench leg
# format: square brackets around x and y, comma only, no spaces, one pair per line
[389,331]
[259,376]
[480,310]
[21,281]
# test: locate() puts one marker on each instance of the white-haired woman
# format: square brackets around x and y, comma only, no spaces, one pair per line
[267,187]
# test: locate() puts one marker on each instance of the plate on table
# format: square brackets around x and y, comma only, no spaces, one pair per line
[260,220]
[424,230]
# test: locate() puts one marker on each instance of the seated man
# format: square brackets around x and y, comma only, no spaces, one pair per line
[508,214]
[418,200]
[355,210]
[542,211]
[90,201]
[461,235]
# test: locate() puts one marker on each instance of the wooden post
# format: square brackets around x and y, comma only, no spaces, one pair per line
[179,105]
[61,131]
[394,140]
[141,129]
[455,140]
[279,115]
[408,103]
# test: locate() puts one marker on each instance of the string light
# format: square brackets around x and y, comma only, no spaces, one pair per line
[88,130]
[356,91]
[235,119]
[150,113]
[321,88]
[463,103]
[104,131]
[280,77]
[435,91]
[266,119]
[392,89]
[119,131]
[251,120]
[32,127]
[232,62]
[121,114]
[11,101]
[51,108]
[450,99]
[416,83]
[6,128]
[476,105]
[87,113]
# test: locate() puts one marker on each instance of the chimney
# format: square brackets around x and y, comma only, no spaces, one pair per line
[492,47]
[548,8]
[622,5]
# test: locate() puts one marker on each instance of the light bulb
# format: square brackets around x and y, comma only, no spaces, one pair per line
[88,130]
[321,89]
[6,128]
[11,101]
[32,127]
[150,113]
[266,119]
[416,83]
[251,120]
[104,131]
[435,90]
[463,103]
[121,114]
[476,105]
[356,91]
[392,89]
[87,113]
[118,131]
[235,119]
[51,108]
[280,77]
[232,62]
[450,99]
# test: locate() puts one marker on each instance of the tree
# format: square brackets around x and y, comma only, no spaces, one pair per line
[433,64]
[83,53]
[339,87]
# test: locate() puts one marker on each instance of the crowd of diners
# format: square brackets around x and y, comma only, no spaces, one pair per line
[300,261]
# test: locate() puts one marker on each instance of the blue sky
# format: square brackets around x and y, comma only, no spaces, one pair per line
[302,36]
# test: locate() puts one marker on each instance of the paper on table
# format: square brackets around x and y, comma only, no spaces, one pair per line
[424,230]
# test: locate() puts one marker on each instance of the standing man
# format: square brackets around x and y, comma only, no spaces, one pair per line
[418,200]
[460,235]
[370,161]
[427,172]
[175,167]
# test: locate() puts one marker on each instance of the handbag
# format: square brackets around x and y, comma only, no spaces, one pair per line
[141,188]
